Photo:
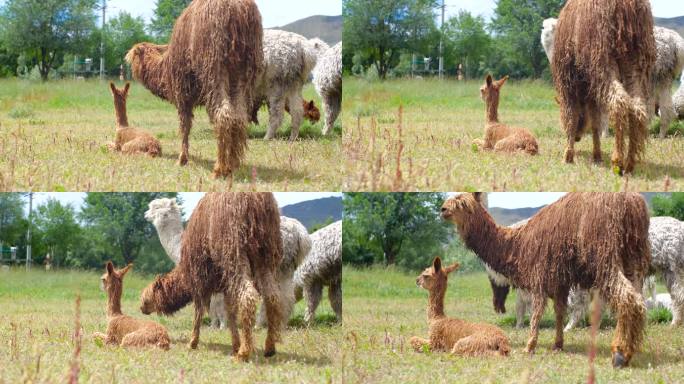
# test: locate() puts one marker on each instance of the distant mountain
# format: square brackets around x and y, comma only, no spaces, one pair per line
[676,23]
[326,28]
[314,212]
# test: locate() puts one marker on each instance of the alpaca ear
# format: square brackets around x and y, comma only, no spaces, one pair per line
[501,82]
[125,270]
[112,87]
[437,264]
[110,268]
[127,87]
[489,80]
[451,268]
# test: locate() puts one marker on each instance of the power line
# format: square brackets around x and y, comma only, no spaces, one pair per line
[102,49]
[441,42]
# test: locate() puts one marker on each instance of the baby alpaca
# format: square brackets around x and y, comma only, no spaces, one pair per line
[498,136]
[449,334]
[130,140]
[124,330]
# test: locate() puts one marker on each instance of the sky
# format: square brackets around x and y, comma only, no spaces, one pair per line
[274,13]
[190,199]
[660,8]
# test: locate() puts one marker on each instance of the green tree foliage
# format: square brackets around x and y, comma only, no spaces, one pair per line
[165,15]
[672,205]
[12,220]
[517,26]
[382,29]
[123,31]
[44,30]
[467,43]
[57,231]
[401,229]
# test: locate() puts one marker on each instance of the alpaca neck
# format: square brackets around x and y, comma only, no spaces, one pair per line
[120,108]
[114,303]
[170,238]
[484,237]
[152,76]
[435,308]
[492,111]
[174,293]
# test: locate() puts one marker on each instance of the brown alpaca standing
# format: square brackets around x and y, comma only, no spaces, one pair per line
[212,59]
[597,240]
[130,140]
[501,137]
[124,330]
[449,334]
[231,245]
[603,59]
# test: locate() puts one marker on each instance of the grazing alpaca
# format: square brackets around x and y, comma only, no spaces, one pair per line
[311,112]
[130,140]
[603,57]
[327,78]
[212,59]
[289,59]
[455,335]
[124,330]
[498,136]
[322,266]
[165,215]
[231,245]
[668,66]
[584,239]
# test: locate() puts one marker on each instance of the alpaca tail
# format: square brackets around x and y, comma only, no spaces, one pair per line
[619,101]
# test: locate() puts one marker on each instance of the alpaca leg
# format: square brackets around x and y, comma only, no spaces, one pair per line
[666,110]
[631,317]
[287,298]
[520,308]
[538,305]
[197,323]
[634,136]
[619,149]
[675,286]
[418,343]
[185,116]
[560,305]
[247,302]
[313,295]
[332,105]
[596,129]
[604,123]
[335,297]
[578,300]
[229,117]
[569,120]
[474,345]
[274,316]
[276,110]
[143,338]
[296,113]
[231,319]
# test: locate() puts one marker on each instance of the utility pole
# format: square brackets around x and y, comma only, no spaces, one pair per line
[28,233]
[102,49]
[441,43]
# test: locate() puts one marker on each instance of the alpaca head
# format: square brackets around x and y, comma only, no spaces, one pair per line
[143,53]
[147,302]
[165,295]
[112,280]
[434,278]
[120,93]
[489,91]
[318,46]
[162,212]
[457,208]
[311,112]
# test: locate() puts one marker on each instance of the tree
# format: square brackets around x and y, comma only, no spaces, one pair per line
[669,206]
[517,25]
[382,29]
[12,221]
[58,230]
[396,228]
[467,42]
[123,32]
[119,220]
[46,29]
[165,15]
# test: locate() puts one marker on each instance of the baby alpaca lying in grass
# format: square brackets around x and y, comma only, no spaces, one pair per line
[130,140]
[498,136]
[449,334]
[124,330]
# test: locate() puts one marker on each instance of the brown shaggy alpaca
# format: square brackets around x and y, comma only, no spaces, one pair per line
[501,137]
[212,59]
[604,54]
[449,334]
[231,245]
[590,240]
[130,140]
[311,112]
[124,330]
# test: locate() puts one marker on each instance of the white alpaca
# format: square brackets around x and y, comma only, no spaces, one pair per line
[678,99]
[289,59]
[328,83]
[322,267]
[668,66]
[662,300]
[165,215]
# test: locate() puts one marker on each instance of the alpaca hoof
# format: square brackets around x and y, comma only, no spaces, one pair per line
[241,357]
[619,360]
[192,345]
[269,353]
[529,351]
[557,348]
[569,156]
[182,160]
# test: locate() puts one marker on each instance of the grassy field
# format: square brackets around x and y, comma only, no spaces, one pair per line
[384,308]
[417,135]
[53,137]
[37,326]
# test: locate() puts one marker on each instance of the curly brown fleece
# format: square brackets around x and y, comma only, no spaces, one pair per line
[603,59]
[212,59]
[590,240]
[232,245]
[449,334]
[128,139]
[124,330]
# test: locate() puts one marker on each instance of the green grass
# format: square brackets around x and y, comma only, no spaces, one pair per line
[53,136]
[438,122]
[384,308]
[37,324]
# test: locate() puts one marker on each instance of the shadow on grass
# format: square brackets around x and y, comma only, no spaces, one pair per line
[322,320]
[306,131]
[644,168]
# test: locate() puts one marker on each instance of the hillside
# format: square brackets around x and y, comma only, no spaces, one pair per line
[676,23]
[314,212]
[326,28]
